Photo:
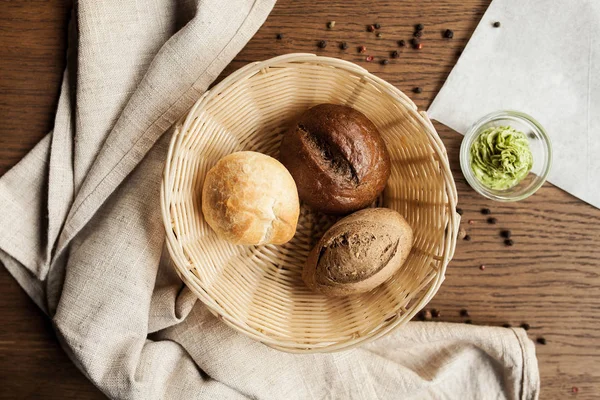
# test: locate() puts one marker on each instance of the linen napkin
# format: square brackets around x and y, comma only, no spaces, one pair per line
[543,60]
[82,233]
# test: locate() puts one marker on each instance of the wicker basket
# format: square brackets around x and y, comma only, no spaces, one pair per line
[258,290]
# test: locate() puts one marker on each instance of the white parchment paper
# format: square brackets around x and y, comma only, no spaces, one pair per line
[544,60]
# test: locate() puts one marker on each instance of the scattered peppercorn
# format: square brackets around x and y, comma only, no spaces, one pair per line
[575,389]
[330,24]
[509,242]
[467,238]
[497,24]
[401,43]
[379,34]
[415,41]
[385,61]
[449,34]
[377,26]
[370,28]
[323,44]
[369,58]
[506,325]
[459,211]
[343,45]
[468,321]
[427,315]
[471,222]
[464,312]
[419,27]
[418,90]
[279,36]
[525,326]
[362,49]
[486,211]
[482,267]
[418,34]
[435,313]
[506,234]
[395,54]
[541,340]
[492,220]
[419,46]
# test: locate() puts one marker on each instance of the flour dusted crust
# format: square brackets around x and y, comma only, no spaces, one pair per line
[359,252]
[249,198]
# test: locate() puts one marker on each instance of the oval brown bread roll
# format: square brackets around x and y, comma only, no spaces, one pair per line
[250,198]
[358,253]
[337,158]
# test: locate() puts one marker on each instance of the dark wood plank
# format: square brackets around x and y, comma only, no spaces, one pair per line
[548,279]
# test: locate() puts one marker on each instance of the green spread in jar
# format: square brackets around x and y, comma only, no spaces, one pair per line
[500,157]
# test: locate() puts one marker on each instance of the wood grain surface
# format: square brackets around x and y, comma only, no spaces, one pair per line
[548,279]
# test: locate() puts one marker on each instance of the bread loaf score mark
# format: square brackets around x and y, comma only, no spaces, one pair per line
[356,254]
[330,154]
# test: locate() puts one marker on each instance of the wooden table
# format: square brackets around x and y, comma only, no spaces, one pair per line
[549,279]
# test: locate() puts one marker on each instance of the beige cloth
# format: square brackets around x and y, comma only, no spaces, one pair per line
[82,233]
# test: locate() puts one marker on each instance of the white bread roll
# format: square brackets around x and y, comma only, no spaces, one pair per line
[250,198]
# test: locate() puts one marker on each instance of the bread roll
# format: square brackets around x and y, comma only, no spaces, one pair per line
[250,198]
[337,158]
[358,253]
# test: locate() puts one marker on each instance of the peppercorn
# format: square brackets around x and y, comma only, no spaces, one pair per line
[279,36]
[401,43]
[369,58]
[471,222]
[419,27]
[506,325]
[467,238]
[525,326]
[497,24]
[370,28]
[418,90]
[330,24]
[492,220]
[427,315]
[419,46]
[505,234]
[418,34]
[482,267]
[385,61]
[362,49]
[464,312]
[379,34]
[395,54]
[343,45]
[435,313]
[575,389]
[509,242]
[486,211]
[377,26]
[541,340]
[448,34]
[415,41]
[323,44]
[459,211]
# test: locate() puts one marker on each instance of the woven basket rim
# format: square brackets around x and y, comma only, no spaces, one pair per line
[449,185]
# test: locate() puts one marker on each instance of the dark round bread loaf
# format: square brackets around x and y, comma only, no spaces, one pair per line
[337,158]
